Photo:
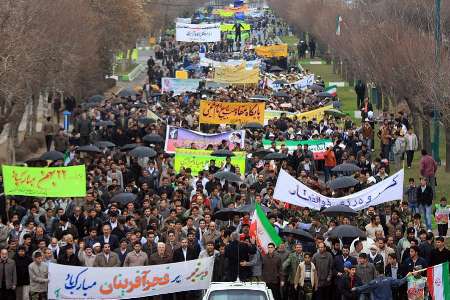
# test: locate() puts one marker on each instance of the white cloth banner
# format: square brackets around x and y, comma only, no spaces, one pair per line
[199,33]
[249,64]
[292,191]
[184,20]
[305,82]
[70,282]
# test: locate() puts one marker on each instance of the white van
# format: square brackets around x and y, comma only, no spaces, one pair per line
[238,291]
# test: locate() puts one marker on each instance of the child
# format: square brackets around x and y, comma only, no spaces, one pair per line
[412,196]
[441,215]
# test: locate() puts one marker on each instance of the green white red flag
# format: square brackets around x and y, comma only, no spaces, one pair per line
[261,229]
[438,279]
[332,89]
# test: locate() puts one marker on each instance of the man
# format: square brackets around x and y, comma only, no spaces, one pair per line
[211,234]
[360,90]
[306,278]
[384,250]
[23,276]
[137,257]
[237,252]
[8,276]
[428,169]
[373,226]
[425,194]
[86,256]
[160,257]
[184,253]
[107,237]
[381,287]
[38,278]
[340,260]
[414,260]
[376,259]
[323,261]
[366,271]
[392,270]
[290,268]
[272,271]
[441,254]
[49,130]
[220,265]
[106,258]
[123,250]
[209,251]
[317,229]
[412,143]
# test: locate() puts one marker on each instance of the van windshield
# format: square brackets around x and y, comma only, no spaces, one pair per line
[237,295]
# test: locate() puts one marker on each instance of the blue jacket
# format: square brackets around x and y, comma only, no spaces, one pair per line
[381,287]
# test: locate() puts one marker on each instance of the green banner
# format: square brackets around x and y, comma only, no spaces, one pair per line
[45,182]
[230,27]
[316,146]
[198,160]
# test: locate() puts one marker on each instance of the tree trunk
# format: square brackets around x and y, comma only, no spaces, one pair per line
[426,134]
[34,114]
[447,146]
[416,125]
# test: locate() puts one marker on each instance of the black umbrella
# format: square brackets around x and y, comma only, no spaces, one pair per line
[261,152]
[222,153]
[316,87]
[153,138]
[339,210]
[96,98]
[342,182]
[346,231]
[228,176]
[107,123]
[124,198]
[128,147]
[324,95]
[275,156]
[275,69]
[105,144]
[142,151]
[226,214]
[249,208]
[346,167]
[281,94]
[52,155]
[126,93]
[253,125]
[89,149]
[298,234]
[146,121]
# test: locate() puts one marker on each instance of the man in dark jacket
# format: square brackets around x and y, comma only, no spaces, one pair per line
[236,255]
[8,276]
[84,128]
[220,265]
[349,281]
[184,253]
[324,266]
[68,257]
[424,200]
[360,90]
[272,270]
[414,260]
[23,276]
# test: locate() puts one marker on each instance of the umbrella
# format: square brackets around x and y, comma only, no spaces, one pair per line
[128,147]
[228,176]
[299,234]
[253,125]
[275,69]
[348,231]
[339,210]
[324,95]
[153,138]
[222,153]
[96,98]
[275,156]
[142,152]
[146,121]
[281,94]
[342,182]
[249,208]
[124,198]
[279,82]
[346,167]
[89,149]
[226,214]
[259,98]
[107,123]
[261,152]
[105,144]
[334,112]
[52,155]
[316,87]
[125,93]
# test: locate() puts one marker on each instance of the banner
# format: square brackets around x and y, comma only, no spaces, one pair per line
[272,51]
[184,138]
[179,86]
[230,27]
[71,282]
[305,82]
[45,182]
[199,33]
[184,20]
[214,112]
[249,64]
[317,114]
[318,147]
[272,114]
[292,191]
[236,75]
[198,160]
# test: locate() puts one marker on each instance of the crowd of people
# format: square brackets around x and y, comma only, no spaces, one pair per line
[173,217]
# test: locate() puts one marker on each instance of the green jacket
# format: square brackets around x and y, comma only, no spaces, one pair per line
[290,265]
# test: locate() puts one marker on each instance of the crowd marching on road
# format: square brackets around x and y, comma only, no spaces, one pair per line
[177,214]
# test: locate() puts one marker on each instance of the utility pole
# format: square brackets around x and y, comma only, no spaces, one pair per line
[437,57]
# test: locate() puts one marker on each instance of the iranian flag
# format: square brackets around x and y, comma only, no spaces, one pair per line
[262,230]
[438,278]
[332,89]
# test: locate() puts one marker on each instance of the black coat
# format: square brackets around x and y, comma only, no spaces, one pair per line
[113,241]
[72,260]
[344,287]
[220,268]
[235,254]
[178,255]
[23,276]
[425,197]
[338,264]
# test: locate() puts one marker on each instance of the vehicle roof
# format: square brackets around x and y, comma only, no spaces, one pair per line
[218,286]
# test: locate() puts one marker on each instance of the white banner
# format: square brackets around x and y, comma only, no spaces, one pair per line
[292,191]
[199,33]
[249,64]
[184,20]
[179,86]
[305,82]
[69,282]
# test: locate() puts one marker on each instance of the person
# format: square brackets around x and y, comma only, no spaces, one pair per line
[365,108]
[376,259]
[23,276]
[107,258]
[440,254]
[414,260]
[412,144]
[348,281]
[237,252]
[137,257]
[312,48]
[330,162]
[428,169]
[381,287]
[290,268]
[323,261]
[49,130]
[38,278]
[393,270]
[209,251]
[360,90]
[366,272]
[425,196]
[411,193]
[306,278]
[182,254]
[441,216]
[272,271]
[237,31]
[399,148]
[8,276]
